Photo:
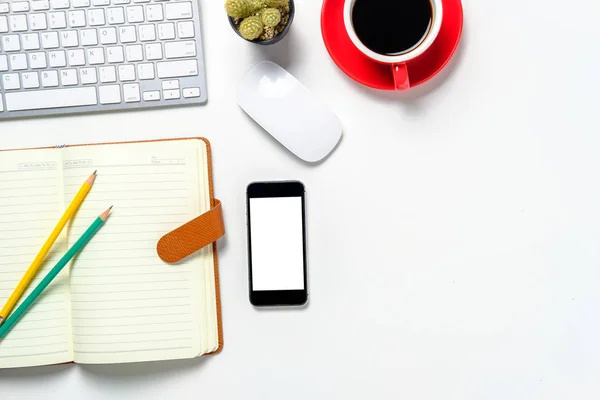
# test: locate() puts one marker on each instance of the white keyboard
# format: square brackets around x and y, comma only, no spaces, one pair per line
[66,56]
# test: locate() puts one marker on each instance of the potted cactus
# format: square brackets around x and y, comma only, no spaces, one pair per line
[261,21]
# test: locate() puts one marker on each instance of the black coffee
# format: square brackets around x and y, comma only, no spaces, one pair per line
[391,27]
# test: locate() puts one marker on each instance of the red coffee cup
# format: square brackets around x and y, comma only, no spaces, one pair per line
[397,62]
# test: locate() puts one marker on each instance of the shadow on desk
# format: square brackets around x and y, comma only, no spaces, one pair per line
[110,372]
[126,372]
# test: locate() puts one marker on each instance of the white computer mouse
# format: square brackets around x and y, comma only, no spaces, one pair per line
[286,109]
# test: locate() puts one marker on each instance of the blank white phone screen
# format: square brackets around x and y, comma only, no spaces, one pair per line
[276,243]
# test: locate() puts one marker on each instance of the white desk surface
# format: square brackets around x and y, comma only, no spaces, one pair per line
[453,236]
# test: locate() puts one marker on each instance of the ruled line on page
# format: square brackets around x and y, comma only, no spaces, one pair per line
[129,291]
[134,299]
[132,333]
[131,308]
[133,351]
[129,283]
[35,337]
[36,345]
[37,354]
[67,167]
[120,275]
[112,317]
[133,341]
[187,321]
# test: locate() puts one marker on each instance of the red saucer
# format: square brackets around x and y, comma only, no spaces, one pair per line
[379,76]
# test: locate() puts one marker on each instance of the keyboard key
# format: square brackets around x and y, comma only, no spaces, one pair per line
[55,98]
[4,8]
[185,29]
[180,49]
[147,33]
[179,10]
[134,52]
[18,62]
[191,92]
[31,41]
[3,24]
[135,14]
[168,85]
[40,5]
[36,60]
[153,51]
[110,94]
[69,39]
[1,104]
[59,4]
[108,74]
[141,1]
[57,20]
[154,12]
[31,80]
[88,37]
[11,81]
[11,43]
[115,15]
[95,56]
[76,18]
[121,1]
[37,21]
[88,76]
[20,6]
[131,92]
[153,95]
[68,77]
[50,40]
[171,94]
[50,78]
[174,69]
[18,23]
[127,34]
[57,59]
[96,17]
[80,3]
[76,57]
[114,54]
[101,2]
[126,73]
[145,71]
[108,35]
[3,62]
[166,31]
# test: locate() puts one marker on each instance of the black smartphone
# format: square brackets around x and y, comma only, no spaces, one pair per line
[277,267]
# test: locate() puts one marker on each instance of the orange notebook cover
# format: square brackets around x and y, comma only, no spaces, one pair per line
[178,241]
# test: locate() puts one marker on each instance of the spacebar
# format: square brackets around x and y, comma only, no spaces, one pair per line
[56,98]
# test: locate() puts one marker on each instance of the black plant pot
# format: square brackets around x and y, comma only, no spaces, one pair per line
[276,38]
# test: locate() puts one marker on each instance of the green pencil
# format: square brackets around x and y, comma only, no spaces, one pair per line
[76,248]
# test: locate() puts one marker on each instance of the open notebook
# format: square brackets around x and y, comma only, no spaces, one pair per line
[118,302]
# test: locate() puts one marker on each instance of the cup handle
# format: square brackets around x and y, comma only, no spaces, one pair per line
[401,78]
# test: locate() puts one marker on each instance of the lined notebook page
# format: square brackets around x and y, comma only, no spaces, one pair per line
[127,305]
[30,206]
[206,255]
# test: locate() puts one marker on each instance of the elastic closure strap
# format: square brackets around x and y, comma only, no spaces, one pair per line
[192,236]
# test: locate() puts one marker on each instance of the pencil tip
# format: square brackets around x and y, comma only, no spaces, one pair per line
[95,172]
[90,180]
[1,320]
[106,213]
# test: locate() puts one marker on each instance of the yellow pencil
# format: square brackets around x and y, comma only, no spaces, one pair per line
[37,262]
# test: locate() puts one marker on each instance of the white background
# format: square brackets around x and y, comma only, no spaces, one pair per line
[453,236]
[277,251]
